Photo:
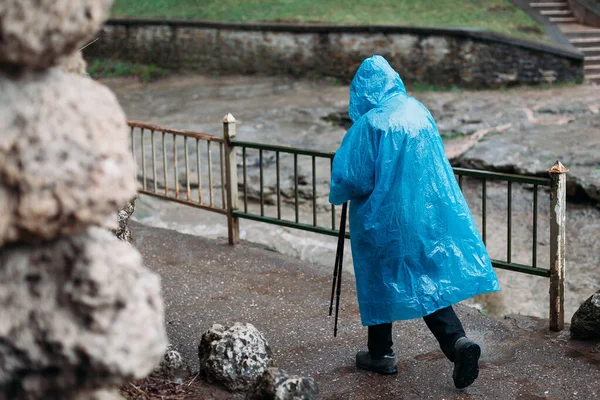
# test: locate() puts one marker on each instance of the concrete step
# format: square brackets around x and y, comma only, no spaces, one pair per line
[585,42]
[590,51]
[575,27]
[556,4]
[593,78]
[562,19]
[582,33]
[592,59]
[564,13]
[591,65]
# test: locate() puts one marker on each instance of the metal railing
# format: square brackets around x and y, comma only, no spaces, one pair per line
[332,230]
[230,196]
[161,148]
[314,226]
[485,177]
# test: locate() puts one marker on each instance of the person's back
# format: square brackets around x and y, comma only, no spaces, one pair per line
[415,246]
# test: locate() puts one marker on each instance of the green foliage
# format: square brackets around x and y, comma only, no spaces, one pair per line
[418,87]
[107,68]
[494,15]
[453,135]
[555,85]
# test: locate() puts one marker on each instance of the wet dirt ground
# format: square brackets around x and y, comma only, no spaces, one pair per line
[521,129]
[206,281]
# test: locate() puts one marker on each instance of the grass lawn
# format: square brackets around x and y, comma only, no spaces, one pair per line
[494,15]
[106,68]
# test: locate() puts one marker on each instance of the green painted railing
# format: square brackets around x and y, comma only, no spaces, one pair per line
[157,185]
[484,176]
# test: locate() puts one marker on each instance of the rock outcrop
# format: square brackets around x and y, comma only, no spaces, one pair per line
[64,158]
[81,306]
[585,323]
[74,63]
[80,314]
[235,356]
[123,216]
[276,384]
[35,34]
[173,367]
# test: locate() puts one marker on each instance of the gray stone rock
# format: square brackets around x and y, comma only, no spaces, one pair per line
[36,33]
[530,147]
[78,313]
[74,63]
[123,216]
[172,367]
[585,323]
[64,156]
[276,384]
[99,395]
[235,356]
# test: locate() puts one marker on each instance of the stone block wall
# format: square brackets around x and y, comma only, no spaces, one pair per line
[466,58]
[587,12]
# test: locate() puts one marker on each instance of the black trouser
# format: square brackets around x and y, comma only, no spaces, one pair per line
[444,324]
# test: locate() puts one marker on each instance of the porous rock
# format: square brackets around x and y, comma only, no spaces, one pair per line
[106,394]
[172,367]
[235,356]
[64,156]
[276,384]
[123,216]
[79,312]
[585,323]
[36,33]
[74,64]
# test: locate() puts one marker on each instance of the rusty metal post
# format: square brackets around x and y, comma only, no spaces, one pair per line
[233,224]
[558,205]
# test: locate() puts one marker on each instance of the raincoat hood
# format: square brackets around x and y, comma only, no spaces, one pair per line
[374,83]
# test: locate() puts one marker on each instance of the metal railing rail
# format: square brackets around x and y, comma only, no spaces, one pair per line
[331,230]
[484,176]
[228,165]
[169,185]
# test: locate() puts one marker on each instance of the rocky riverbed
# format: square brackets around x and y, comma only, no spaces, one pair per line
[520,130]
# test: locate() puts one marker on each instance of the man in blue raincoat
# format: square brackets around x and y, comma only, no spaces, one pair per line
[415,245]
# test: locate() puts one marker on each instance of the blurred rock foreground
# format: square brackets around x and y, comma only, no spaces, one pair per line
[80,314]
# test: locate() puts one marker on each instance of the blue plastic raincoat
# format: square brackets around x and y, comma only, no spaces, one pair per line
[415,245]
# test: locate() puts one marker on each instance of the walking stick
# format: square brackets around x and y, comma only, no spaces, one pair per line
[337,268]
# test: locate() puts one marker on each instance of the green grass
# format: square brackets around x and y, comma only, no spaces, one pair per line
[494,15]
[487,135]
[452,136]
[106,68]
[418,87]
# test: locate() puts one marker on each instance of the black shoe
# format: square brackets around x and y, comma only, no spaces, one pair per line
[466,362]
[385,365]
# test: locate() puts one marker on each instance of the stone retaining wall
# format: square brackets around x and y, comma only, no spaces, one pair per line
[587,12]
[462,57]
